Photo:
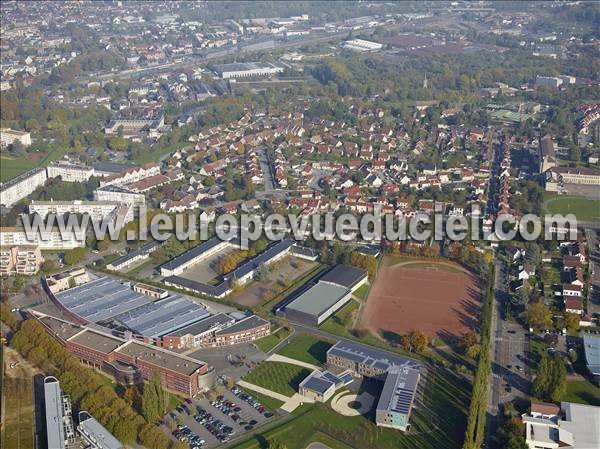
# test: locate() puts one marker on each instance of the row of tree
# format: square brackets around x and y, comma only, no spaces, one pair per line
[475,433]
[87,389]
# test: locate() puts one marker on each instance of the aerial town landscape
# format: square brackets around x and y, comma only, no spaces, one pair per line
[193,252]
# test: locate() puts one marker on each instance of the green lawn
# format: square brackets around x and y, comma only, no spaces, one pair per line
[362,291]
[18,422]
[307,348]
[267,343]
[582,392]
[280,377]
[156,154]
[10,168]
[267,401]
[583,208]
[442,427]
[341,322]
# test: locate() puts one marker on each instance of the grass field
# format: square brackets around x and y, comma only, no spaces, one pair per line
[307,348]
[267,401]
[341,322]
[267,343]
[582,208]
[17,404]
[362,292]
[156,154]
[582,392]
[12,167]
[442,426]
[279,377]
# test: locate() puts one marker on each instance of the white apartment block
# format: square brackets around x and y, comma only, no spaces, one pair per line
[9,136]
[51,240]
[97,210]
[117,194]
[70,172]
[18,188]
[24,259]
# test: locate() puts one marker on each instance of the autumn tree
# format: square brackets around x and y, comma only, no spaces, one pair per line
[539,316]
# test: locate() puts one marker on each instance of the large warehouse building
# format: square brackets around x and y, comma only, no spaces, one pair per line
[321,300]
[148,314]
[246,70]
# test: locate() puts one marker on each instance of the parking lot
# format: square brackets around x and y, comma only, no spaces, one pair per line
[203,423]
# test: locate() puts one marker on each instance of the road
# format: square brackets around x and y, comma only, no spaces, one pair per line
[510,347]
[593,305]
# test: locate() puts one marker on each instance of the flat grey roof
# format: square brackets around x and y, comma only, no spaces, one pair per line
[200,287]
[370,356]
[204,325]
[161,317]
[96,341]
[399,390]
[145,249]
[191,254]
[96,431]
[591,347]
[112,167]
[318,298]
[54,416]
[101,299]
[63,329]
[264,257]
[344,275]
[582,421]
[161,358]
[245,324]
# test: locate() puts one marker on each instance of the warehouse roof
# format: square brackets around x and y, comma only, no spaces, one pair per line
[160,357]
[204,325]
[200,287]
[100,299]
[344,275]
[318,298]
[161,317]
[191,254]
[98,342]
[248,323]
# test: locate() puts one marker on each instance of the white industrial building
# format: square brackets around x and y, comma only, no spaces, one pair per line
[362,45]
[246,70]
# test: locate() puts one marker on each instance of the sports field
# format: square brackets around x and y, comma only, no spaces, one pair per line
[438,298]
[583,208]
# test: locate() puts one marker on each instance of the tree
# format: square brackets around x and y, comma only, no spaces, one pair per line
[571,321]
[550,383]
[75,256]
[539,316]
[154,399]
[150,403]
[418,341]
[511,434]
